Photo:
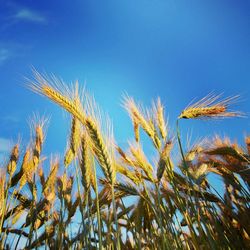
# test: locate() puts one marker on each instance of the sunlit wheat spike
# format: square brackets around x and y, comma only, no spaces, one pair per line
[67,193]
[20,209]
[85,161]
[100,150]
[140,160]
[62,184]
[164,161]
[194,152]
[41,176]
[38,124]
[58,92]
[38,145]
[75,137]
[27,168]
[74,141]
[11,168]
[93,179]
[137,116]
[124,156]
[158,110]
[136,130]
[39,222]
[69,157]
[156,139]
[197,172]
[127,188]
[128,173]
[51,180]
[26,158]
[228,150]
[211,107]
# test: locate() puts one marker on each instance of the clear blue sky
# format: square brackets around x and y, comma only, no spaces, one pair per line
[177,50]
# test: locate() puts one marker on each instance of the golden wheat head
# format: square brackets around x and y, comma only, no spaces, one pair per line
[211,107]
[57,91]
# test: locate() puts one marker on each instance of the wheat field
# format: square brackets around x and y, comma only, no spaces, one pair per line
[99,195]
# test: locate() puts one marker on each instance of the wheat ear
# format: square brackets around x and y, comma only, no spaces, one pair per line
[11,168]
[159,117]
[211,107]
[51,180]
[74,142]
[100,150]
[85,162]
[58,93]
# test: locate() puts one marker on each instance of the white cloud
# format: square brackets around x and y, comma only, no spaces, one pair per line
[25,14]
[4,55]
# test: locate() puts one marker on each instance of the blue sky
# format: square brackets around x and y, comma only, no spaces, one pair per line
[177,50]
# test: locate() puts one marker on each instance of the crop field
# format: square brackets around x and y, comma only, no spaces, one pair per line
[101,195]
